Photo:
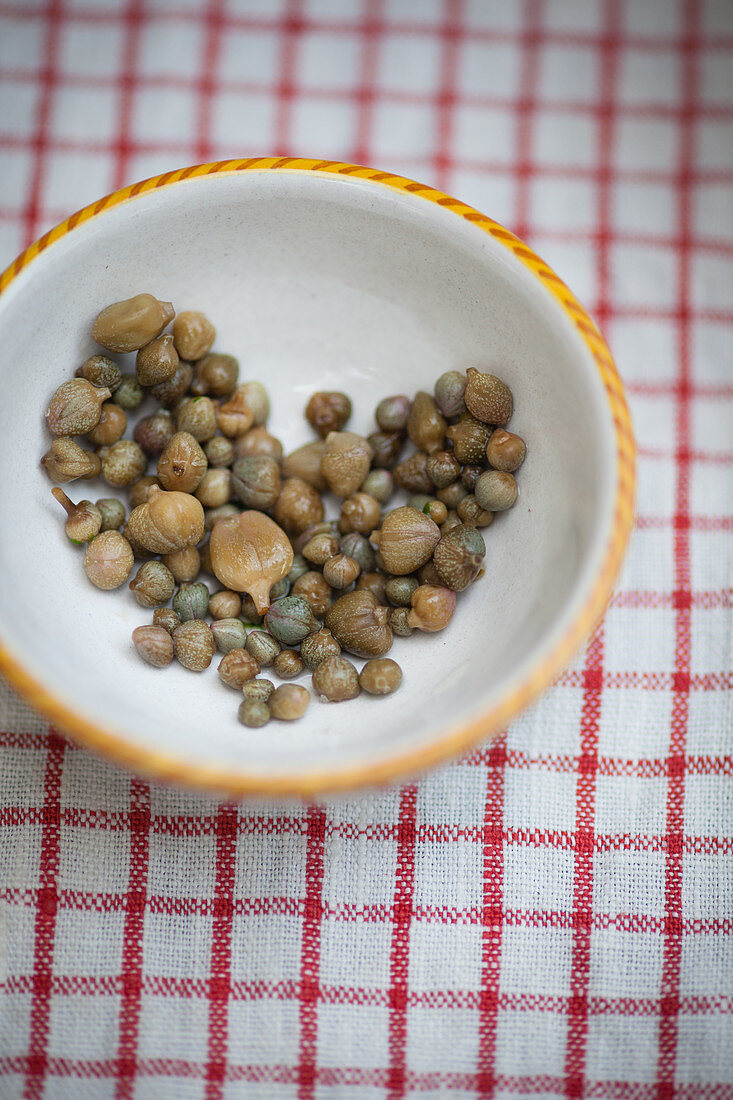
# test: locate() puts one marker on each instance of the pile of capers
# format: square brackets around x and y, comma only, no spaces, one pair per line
[211,492]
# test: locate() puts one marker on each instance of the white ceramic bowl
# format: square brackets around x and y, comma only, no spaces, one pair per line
[317,276]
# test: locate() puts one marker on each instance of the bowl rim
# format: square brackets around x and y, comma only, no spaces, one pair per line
[167,767]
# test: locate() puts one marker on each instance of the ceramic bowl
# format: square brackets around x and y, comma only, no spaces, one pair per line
[317,276]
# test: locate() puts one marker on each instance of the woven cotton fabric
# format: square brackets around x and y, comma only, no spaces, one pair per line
[552,915]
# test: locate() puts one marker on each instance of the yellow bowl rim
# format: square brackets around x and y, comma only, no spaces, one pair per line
[169,768]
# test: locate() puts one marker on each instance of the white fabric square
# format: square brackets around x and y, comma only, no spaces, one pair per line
[444,957]
[328,61]
[15,172]
[531,1043]
[282,932]
[83,1027]
[538,879]
[488,69]
[716,85]
[178,1087]
[343,1032]
[713,211]
[427,12]
[88,866]
[562,204]
[714,144]
[494,195]
[630,806]
[73,1088]
[649,76]
[442,1039]
[644,275]
[706,805]
[328,10]
[21,41]
[89,50]
[359,871]
[710,719]
[643,348]
[452,798]
[176,862]
[493,16]
[153,163]
[711,351]
[717,17]
[409,63]
[625,964]
[649,566]
[712,281]
[563,139]
[17,939]
[655,504]
[448,875]
[707,960]
[29,792]
[322,127]
[18,106]
[249,55]
[183,1020]
[11,243]
[273,868]
[637,644]
[568,73]
[160,114]
[551,950]
[485,133]
[575,16]
[550,727]
[655,423]
[704,1051]
[531,803]
[88,941]
[264,1036]
[172,47]
[402,130]
[710,489]
[651,20]
[644,208]
[711,419]
[710,559]
[177,947]
[622,1049]
[80,791]
[635,723]
[629,882]
[76,114]
[645,144]
[356,953]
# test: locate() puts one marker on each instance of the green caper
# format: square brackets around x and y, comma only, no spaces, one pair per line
[191,601]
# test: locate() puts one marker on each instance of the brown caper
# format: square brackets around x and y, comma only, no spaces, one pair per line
[381,676]
[237,667]
[406,540]
[101,371]
[167,618]
[215,374]
[113,513]
[155,432]
[449,391]
[138,491]
[398,590]
[288,664]
[496,491]
[453,494]
[185,564]
[262,646]
[124,463]
[111,426]
[129,394]
[426,425]
[374,583]
[392,412]
[225,604]
[412,474]
[228,634]
[253,713]
[197,416]
[470,511]
[399,624]
[108,560]
[156,362]
[469,477]
[75,407]
[258,441]
[215,488]
[170,393]
[314,589]
[258,689]
[153,584]
[317,647]
[386,447]
[84,520]
[327,412]
[234,418]
[65,461]
[182,464]
[154,645]
[360,513]
[505,451]
[194,645]
[360,624]
[336,680]
[443,468]
[320,548]
[378,484]
[289,702]
[469,438]
[459,557]
[297,506]
[345,462]
[487,397]
[432,607]
[305,462]
[193,334]
[340,571]
[132,323]
[219,451]
[256,481]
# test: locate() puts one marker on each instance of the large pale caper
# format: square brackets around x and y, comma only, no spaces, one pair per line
[487,397]
[167,521]
[250,553]
[406,540]
[360,624]
[345,462]
[132,323]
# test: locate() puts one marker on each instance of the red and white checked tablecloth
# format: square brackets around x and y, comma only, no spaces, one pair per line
[551,916]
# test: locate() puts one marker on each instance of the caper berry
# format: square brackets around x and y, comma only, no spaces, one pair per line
[317,647]
[496,491]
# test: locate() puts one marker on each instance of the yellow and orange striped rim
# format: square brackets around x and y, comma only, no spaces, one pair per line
[169,768]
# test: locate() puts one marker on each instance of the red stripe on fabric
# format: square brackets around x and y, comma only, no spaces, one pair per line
[492,917]
[132,975]
[672,959]
[399,962]
[526,107]
[451,34]
[371,32]
[48,78]
[44,933]
[310,953]
[207,83]
[122,147]
[219,984]
[290,28]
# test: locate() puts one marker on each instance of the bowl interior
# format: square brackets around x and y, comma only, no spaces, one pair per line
[314,282]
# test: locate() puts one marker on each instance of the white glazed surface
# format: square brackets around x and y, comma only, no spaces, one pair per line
[314,282]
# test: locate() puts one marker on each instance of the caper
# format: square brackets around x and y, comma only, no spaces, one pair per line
[392,412]
[336,680]
[317,647]
[193,645]
[263,647]
[496,491]
[380,676]
[191,601]
[288,664]
[328,412]
[398,590]
[258,689]
[253,713]
[386,447]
